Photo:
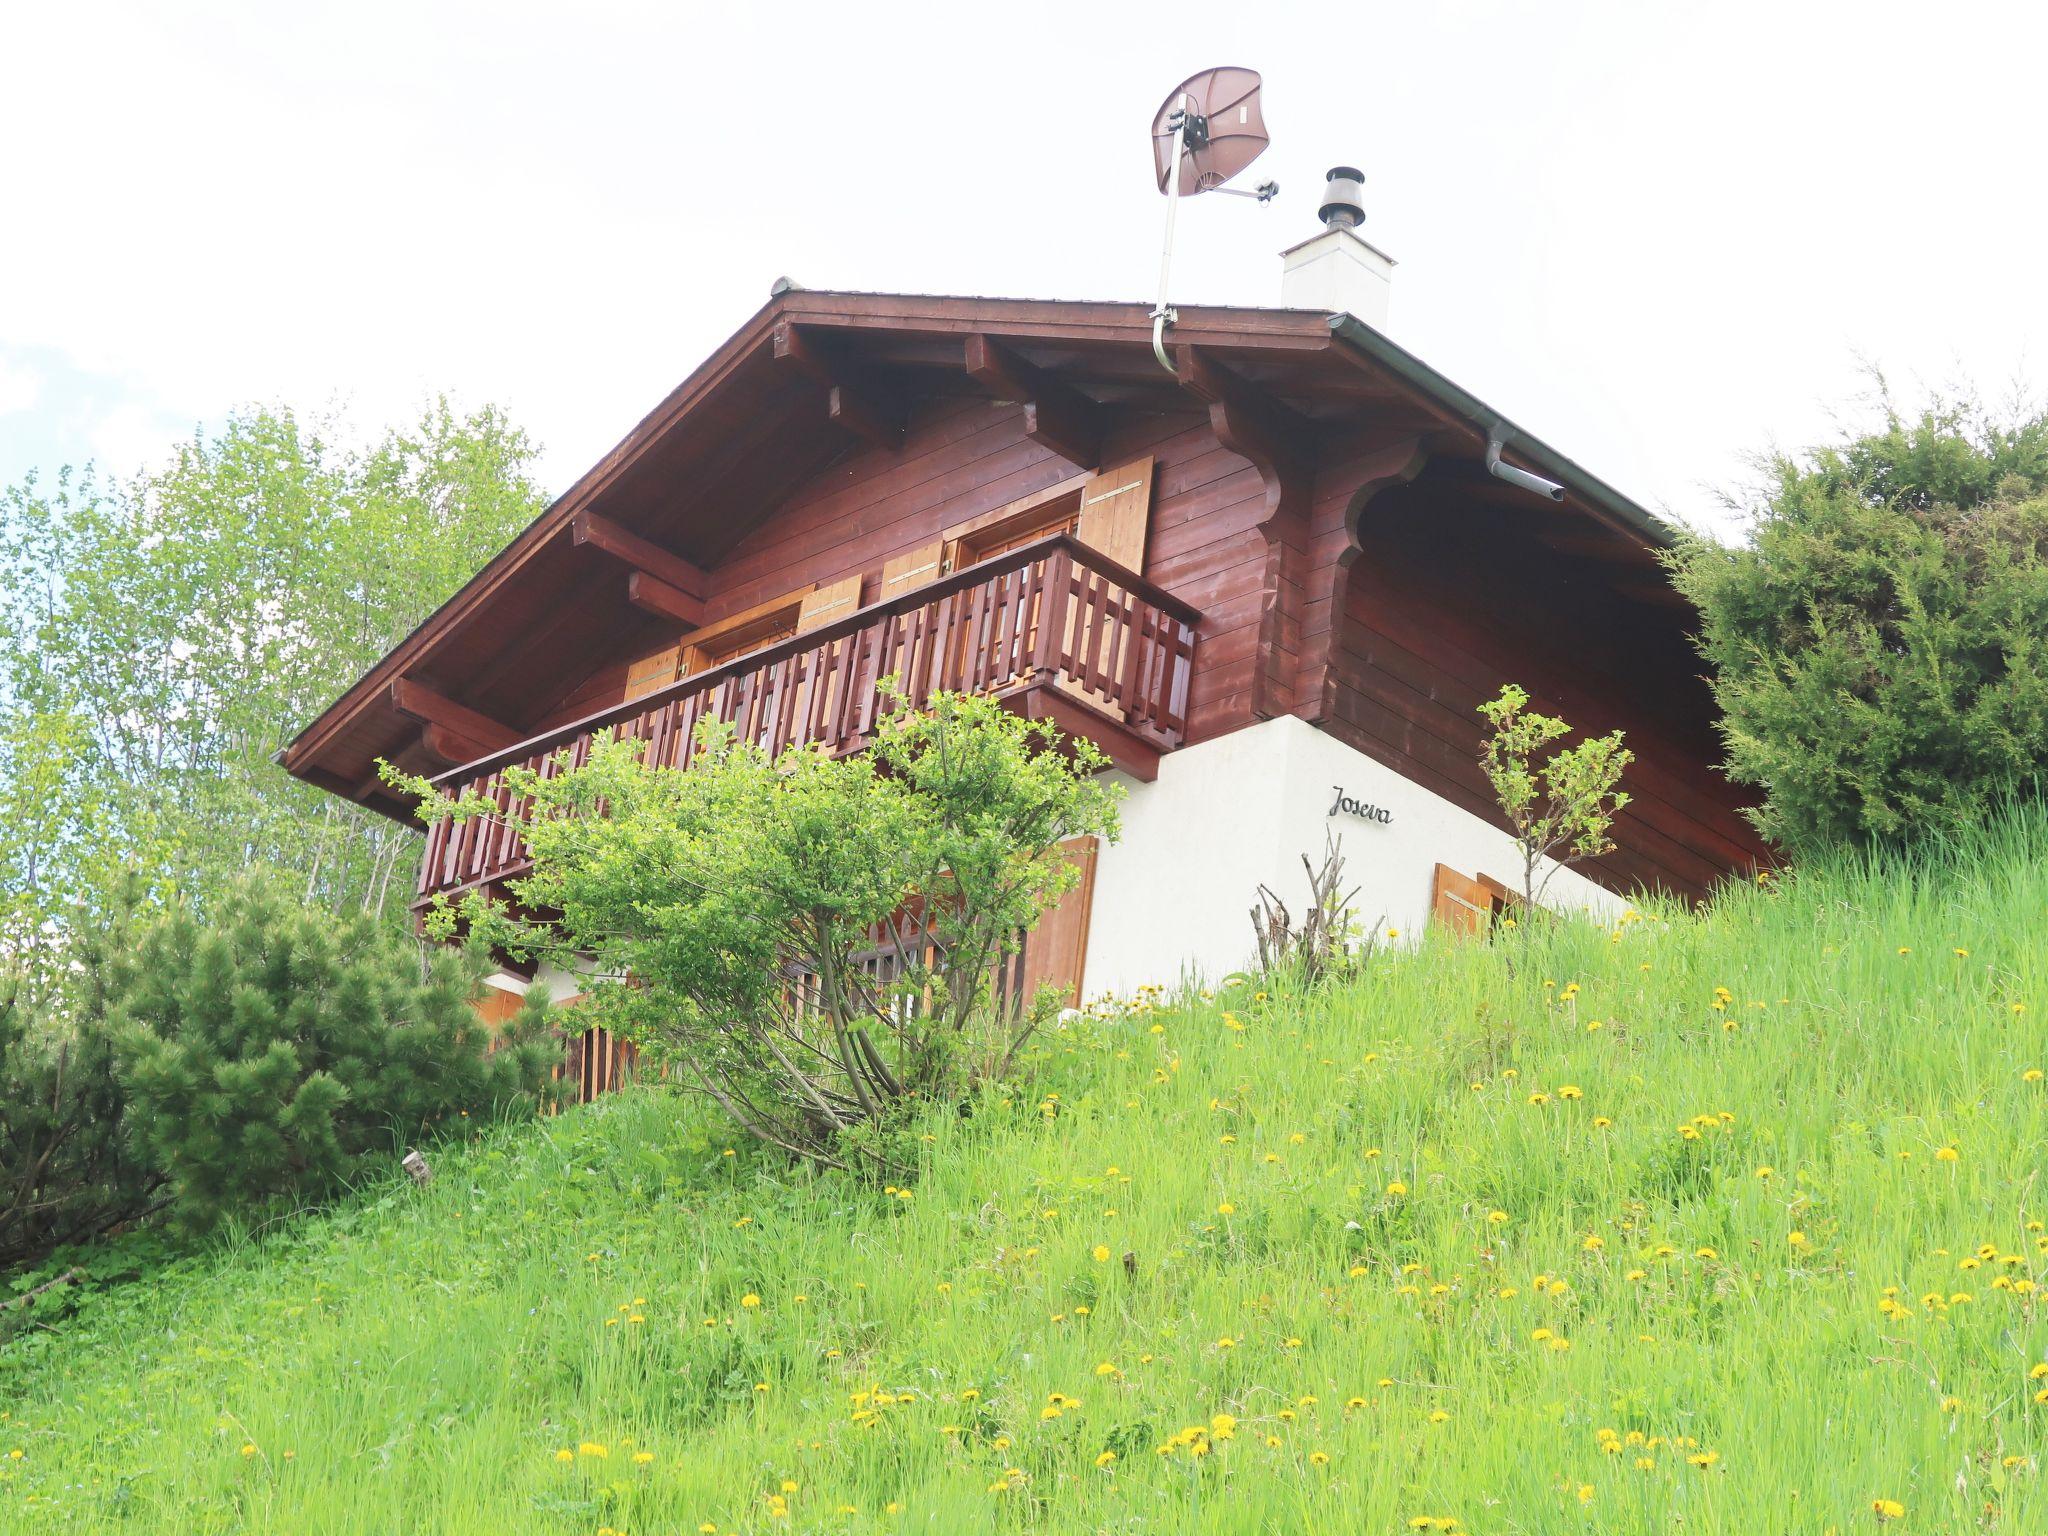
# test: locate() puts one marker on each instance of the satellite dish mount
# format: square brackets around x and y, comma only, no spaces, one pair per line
[1208,129]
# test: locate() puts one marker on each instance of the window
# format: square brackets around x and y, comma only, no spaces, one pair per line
[1109,510]
[1053,510]
[764,624]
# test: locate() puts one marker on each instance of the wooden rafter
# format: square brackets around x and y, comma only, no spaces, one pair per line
[622,544]
[550,635]
[1056,415]
[853,400]
[456,721]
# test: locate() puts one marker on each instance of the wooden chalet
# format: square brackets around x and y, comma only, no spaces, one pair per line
[1273,584]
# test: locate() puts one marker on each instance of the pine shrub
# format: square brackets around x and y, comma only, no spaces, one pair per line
[272,1050]
[1880,648]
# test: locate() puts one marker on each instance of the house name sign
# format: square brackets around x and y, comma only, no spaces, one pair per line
[1346,805]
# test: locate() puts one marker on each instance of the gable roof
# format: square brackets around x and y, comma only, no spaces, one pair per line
[799,386]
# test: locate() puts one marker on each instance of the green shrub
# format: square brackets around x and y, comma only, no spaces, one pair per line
[67,1170]
[271,1050]
[746,900]
[1878,648]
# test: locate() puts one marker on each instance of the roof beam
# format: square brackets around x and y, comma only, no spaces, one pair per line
[657,597]
[451,747]
[457,722]
[622,544]
[853,400]
[1056,415]
[1247,420]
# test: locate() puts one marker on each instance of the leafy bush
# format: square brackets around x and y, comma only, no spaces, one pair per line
[1878,649]
[808,939]
[272,1050]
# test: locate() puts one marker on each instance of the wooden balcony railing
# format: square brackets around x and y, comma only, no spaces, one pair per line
[1053,621]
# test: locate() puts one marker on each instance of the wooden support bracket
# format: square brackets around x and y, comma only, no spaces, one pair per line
[1246,419]
[624,545]
[651,595]
[460,725]
[853,400]
[1056,415]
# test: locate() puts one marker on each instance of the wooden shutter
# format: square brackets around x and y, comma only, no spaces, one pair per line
[652,672]
[1116,507]
[496,1007]
[832,600]
[1056,951]
[1466,904]
[910,571]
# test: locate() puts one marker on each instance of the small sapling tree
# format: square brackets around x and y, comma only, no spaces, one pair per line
[1559,807]
[807,940]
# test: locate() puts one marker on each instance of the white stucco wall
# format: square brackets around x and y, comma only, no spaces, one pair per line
[559,983]
[1173,896]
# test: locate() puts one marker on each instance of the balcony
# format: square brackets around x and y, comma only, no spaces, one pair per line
[1053,628]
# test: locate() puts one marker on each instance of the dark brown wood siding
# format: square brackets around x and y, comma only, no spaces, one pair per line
[1454,595]
[964,457]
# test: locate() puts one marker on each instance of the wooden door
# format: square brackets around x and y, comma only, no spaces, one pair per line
[1056,951]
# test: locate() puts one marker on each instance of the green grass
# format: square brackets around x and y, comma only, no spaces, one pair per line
[424,1360]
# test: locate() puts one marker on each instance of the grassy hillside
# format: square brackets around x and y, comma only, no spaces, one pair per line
[1721,1224]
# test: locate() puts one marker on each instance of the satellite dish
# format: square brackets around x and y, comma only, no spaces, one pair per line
[1213,117]
[1207,130]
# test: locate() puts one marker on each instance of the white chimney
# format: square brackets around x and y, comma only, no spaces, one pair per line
[1337,269]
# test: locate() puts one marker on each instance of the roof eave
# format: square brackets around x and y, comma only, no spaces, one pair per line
[1485,420]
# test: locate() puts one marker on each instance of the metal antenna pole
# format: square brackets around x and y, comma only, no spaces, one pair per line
[1162,314]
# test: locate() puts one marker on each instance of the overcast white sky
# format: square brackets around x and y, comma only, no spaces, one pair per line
[1659,236]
